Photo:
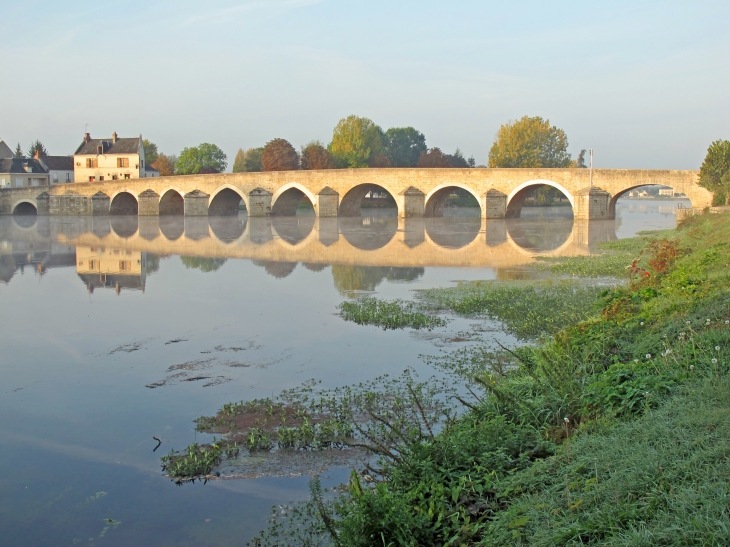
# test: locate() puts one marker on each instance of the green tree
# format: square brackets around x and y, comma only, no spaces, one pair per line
[150,151]
[356,142]
[19,151]
[252,160]
[37,147]
[434,158]
[529,142]
[715,171]
[238,162]
[580,163]
[205,158]
[403,146]
[279,155]
[316,156]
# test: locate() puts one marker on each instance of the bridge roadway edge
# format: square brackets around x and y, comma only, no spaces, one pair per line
[412,188]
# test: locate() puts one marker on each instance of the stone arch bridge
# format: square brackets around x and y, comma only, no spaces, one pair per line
[339,192]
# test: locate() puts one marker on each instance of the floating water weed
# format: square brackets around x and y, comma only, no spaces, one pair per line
[396,314]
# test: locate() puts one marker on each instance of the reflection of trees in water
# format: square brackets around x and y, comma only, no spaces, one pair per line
[279,270]
[7,268]
[204,264]
[365,278]
[314,267]
[152,262]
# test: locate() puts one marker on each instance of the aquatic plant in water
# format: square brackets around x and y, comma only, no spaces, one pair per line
[396,314]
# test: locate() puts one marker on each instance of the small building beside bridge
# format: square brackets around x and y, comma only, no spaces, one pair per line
[100,160]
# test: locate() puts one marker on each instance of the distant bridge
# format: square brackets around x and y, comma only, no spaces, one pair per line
[500,193]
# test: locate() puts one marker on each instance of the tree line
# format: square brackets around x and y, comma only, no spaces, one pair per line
[358,142]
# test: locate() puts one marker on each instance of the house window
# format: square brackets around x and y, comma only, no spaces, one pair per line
[126,175]
[141,164]
[92,264]
[2,183]
[125,265]
[92,179]
[55,177]
[122,162]
[101,178]
[114,177]
[92,163]
[68,177]
[18,182]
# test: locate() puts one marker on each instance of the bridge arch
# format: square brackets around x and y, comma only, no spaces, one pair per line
[25,207]
[619,195]
[225,201]
[436,198]
[516,197]
[286,199]
[123,202]
[172,202]
[350,205]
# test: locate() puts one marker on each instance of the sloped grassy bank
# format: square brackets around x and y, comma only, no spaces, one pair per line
[615,431]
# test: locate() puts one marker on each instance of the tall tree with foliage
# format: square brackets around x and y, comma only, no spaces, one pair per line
[37,147]
[19,151]
[279,155]
[580,163]
[433,158]
[205,158]
[238,165]
[252,160]
[165,164]
[316,156]
[403,146]
[356,142]
[529,142]
[715,171]
[150,151]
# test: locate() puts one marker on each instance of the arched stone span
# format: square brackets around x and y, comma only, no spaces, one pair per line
[124,203]
[352,200]
[25,207]
[172,203]
[436,199]
[517,197]
[286,200]
[226,200]
[616,197]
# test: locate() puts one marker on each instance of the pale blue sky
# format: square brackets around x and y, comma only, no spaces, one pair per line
[646,84]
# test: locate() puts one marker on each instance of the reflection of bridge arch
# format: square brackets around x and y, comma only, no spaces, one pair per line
[445,235]
[436,199]
[517,197]
[352,200]
[123,202]
[366,239]
[228,230]
[520,235]
[286,199]
[172,202]
[172,227]
[292,231]
[124,226]
[225,200]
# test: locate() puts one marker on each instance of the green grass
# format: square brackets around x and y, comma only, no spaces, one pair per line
[611,260]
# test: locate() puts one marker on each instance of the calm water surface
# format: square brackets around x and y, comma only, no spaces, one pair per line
[105,322]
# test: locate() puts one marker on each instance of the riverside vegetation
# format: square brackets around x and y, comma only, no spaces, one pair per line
[610,426]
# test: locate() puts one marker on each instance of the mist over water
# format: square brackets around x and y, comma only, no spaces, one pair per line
[114,330]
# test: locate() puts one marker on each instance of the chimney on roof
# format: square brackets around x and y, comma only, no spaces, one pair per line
[87,137]
[114,137]
[37,154]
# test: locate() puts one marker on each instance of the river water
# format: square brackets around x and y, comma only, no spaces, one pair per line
[115,330]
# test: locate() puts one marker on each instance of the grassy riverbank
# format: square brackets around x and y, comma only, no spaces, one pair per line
[615,431]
